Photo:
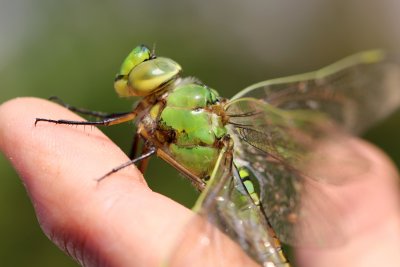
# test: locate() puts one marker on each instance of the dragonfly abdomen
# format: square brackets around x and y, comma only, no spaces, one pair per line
[249,185]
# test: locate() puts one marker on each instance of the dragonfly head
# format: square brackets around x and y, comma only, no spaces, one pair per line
[142,73]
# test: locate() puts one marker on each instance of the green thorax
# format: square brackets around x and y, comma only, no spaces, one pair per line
[189,126]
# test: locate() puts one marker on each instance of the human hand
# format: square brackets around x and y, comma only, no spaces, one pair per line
[121,222]
[117,222]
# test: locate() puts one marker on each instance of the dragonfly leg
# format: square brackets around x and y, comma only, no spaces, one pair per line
[150,152]
[134,152]
[145,162]
[135,146]
[96,114]
[105,122]
[197,182]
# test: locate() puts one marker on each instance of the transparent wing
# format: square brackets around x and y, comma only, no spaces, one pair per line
[226,204]
[296,156]
[355,92]
[302,211]
[294,138]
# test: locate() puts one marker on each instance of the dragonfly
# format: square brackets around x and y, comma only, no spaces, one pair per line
[256,158]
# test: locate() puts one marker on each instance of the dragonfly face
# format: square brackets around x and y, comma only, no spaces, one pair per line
[142,74]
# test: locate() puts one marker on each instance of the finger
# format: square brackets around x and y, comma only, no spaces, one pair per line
[371,205]
[119,222]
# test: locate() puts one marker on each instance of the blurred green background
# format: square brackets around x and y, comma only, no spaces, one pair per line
[72,49]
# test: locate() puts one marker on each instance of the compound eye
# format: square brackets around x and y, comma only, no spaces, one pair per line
[135,57]
[142,73]
[151,76]
[138,55]
[121,87]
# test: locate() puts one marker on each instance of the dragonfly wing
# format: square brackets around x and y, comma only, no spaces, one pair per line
[293,134]
[299,157]
[225,204]
[355,92]
[297,139]
[302,211]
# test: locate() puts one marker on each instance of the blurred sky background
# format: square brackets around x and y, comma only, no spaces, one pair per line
[72,49]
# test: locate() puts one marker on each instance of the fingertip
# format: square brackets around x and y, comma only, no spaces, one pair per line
[59,165]
[47,146]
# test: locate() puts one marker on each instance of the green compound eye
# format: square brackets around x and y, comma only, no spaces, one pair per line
[142,74]
[150,76]
[135,57]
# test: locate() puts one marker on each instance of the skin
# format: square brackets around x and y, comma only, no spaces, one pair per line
[121,222]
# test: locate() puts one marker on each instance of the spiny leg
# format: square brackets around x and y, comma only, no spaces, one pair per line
[145,162]
[135,149]
[105,122]
[150,152]
[96,114]
[123,117]
[135,146]
[196,180]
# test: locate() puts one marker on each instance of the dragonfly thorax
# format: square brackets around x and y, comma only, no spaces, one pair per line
[185,123]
